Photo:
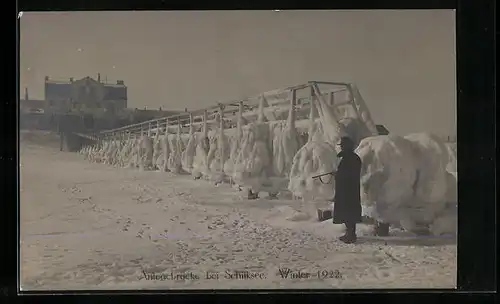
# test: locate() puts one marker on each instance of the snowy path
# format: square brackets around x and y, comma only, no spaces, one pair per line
[91,226]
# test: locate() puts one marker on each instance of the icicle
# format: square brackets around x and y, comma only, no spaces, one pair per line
[166,149]
[262,104]
[291,113]
[157,134]
[330,125]
[240,122]
[217,118]
[312,122]
[289,141]
[221,140]
[191,127]
[205,125]
[362,109]
[190,150]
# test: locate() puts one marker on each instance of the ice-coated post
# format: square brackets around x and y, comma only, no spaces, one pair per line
[312,94]
[240,108]
[221,144]
[332,98]
[221,114]
[205,121]
[191,121]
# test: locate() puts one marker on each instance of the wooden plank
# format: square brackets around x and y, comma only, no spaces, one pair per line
[330,83]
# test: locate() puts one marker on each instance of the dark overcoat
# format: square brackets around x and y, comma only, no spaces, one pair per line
[347,201]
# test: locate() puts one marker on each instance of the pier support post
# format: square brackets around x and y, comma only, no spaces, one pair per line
[221,144]
[332,98]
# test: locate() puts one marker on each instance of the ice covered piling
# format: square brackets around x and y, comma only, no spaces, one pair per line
[200,161]
[314,131]
[146,152]
[388,175]
[435,187]
[157,150]
[261,118]
[175,157]
[368,126]
[253,164]
[332,129]
[200,166]
[212,150]
[431,156]
[316,157]
[190,151]
[218,153]
[117,143]
[285,144]
[403,181]
[235,141]
[165,151]
[126,151]
[312,159]
[134,160]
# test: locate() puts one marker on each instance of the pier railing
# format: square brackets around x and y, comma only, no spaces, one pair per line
[278,101]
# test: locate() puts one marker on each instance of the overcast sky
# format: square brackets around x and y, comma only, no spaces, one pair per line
[402,61]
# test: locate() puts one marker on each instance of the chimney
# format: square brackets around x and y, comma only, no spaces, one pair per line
[26,94]
[98,77]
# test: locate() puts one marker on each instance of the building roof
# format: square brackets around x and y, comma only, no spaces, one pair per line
[116,84]
[64,89]
[57,90]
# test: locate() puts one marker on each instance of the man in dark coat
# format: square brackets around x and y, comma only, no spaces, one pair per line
[347,201]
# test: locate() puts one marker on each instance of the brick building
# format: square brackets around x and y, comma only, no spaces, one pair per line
[85,94]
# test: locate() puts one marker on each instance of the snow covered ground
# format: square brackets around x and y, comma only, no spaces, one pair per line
[92,226]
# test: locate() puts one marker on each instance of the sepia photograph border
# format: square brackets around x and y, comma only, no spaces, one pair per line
[475,49]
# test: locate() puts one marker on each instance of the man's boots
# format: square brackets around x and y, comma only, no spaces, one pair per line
[350,235]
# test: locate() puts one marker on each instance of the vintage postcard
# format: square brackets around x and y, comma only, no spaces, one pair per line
[175,150]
